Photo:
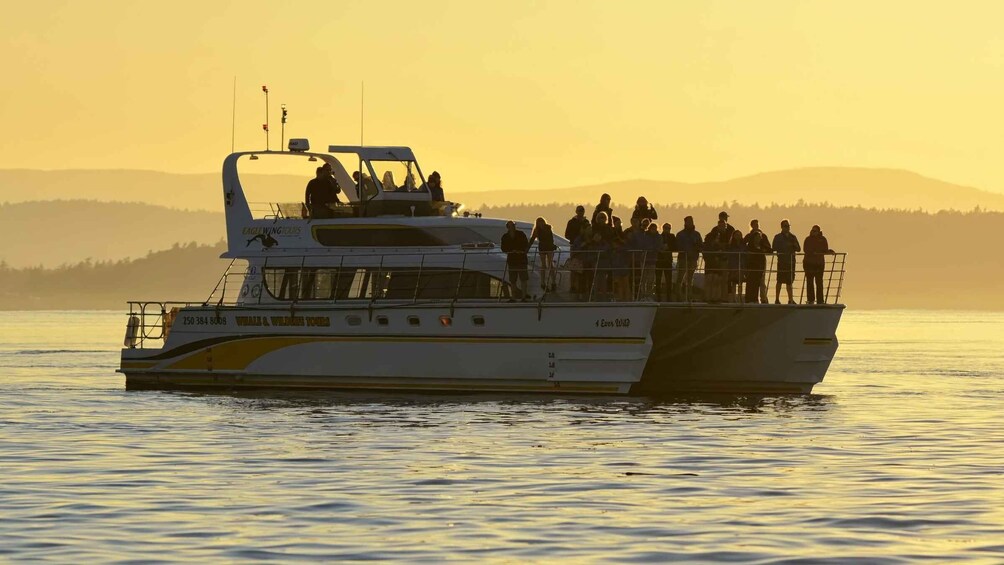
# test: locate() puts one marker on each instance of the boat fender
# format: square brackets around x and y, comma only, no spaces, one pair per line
[132,332]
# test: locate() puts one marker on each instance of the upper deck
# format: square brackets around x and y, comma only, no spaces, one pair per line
[385,202]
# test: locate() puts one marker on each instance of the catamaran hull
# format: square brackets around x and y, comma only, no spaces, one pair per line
[740,349]
[490,347]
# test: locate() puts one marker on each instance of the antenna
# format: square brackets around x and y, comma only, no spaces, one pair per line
[362,108]
[233,118]
[264,88]
[282,128]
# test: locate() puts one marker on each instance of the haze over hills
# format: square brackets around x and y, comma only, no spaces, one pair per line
[69,231]
[897,259]
[841,186]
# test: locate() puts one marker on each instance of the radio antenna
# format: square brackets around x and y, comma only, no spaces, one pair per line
[282,128]
[362,109]
[264,88]
[233,118]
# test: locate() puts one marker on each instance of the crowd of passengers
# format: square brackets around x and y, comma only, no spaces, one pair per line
[608,259]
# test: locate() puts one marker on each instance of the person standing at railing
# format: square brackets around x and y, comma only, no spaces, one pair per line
[573,229]
[716,263]
[757,247]
[636,243]
[621,267]
[515,246]
[650,255]
[643,210]
[578,222]
[786,245]
[814,263]
[603,207]
[322,191]
[737,262]
[664,265]
[689,244]
[544,235]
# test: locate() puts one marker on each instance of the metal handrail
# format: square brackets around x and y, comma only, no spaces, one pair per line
[721,280]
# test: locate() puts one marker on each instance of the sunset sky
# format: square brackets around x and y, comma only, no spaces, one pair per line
[514,94]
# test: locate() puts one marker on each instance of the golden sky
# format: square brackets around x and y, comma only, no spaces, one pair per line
[514,94]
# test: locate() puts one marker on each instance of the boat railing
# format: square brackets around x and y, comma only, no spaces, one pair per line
[394,280]
[577,276]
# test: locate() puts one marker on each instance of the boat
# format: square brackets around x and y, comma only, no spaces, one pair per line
[393,290]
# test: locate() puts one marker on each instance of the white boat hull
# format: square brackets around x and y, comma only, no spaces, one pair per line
[519,347]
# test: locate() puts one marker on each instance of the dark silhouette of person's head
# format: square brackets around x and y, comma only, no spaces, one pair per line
[435,179]
[320,172]
[580,211]
[667,227]
[642,202]
[755,225]
[785,226]
[605,200]
[723,216]
[816,230]
[510,226]
[602,219]
[653,228]
[688,222]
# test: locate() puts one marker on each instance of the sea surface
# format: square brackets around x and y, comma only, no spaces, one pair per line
[898,457]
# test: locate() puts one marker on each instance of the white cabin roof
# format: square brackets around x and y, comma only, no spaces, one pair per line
[395,153]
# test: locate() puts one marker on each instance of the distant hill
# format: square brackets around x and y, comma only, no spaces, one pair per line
[896,259]
[193,192]
[183,273]
[69,231]
[839,186]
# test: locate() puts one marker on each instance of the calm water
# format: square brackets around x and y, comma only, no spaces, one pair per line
[899,457]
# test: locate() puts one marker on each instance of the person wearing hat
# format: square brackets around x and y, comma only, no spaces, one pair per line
[814,263]
[786,245]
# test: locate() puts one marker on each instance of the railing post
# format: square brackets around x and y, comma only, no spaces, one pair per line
[418,279]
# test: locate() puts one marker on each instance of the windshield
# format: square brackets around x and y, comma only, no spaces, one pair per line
[399,176]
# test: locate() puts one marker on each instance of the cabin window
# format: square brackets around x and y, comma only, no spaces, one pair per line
[382,321]
[414,321]
[395,236]
[478,320]
[372,283]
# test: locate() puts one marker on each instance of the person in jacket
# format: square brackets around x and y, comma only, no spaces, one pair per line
[544,235]
[576,224]
[716,262]
[664,265]
[621,265]
[653,246]
[515,246]
[814,263]
[643,209]
[603,206]
[737,262]
[321,192]
[757,247]
[688,245]
[581,264]
[785,245]
[435,184]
